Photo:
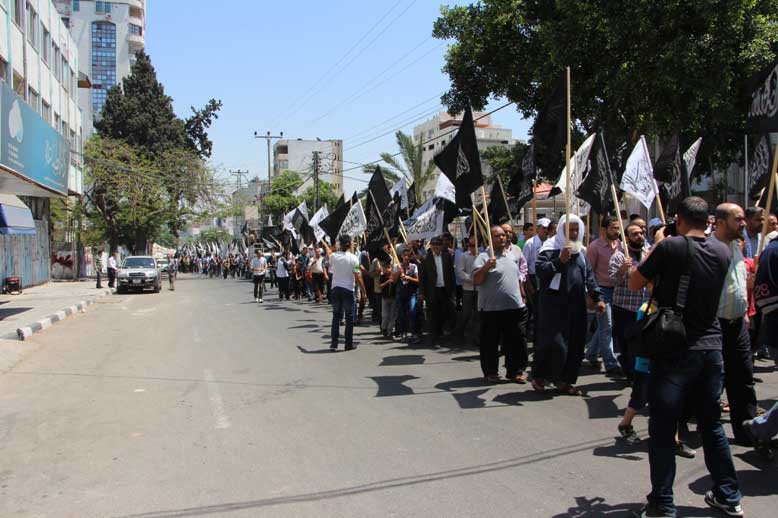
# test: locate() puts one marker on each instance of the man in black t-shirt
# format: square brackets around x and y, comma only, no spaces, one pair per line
[693,374]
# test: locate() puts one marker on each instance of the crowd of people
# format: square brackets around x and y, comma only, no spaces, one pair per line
[544,295]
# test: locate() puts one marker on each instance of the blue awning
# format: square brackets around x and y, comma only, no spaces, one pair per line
[15,217]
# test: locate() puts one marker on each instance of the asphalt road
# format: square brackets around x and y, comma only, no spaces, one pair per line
[200,402]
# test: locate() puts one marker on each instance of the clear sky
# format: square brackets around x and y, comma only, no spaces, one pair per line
[343,69]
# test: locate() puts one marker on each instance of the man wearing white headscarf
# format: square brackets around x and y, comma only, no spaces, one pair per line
[565,279]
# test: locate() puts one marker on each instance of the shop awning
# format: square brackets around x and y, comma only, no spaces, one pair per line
[15,216]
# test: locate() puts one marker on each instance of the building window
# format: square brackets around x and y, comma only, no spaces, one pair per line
[136,30]
[32,26]
[18,14]
[64,78]
[46,112]
[46,45]
[33,99]
[136,12]
[19,85]
[103,63]
[3,70]
[102,7]
[76,5]
[57,122]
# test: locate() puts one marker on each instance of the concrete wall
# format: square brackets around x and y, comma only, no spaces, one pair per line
[26,257]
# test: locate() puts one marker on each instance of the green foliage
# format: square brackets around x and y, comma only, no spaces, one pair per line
[412,166]
[327,196]
[217,234]
[197,124]
[282,198]
[503,161]
[640,67]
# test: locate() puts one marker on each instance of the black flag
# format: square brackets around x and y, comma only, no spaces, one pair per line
[595,189]
[412,200]
[380,212]
[461,162]
[332,223]
[499,212]
[520,184]
[549,135]
[763,112]
[671,170]
[759,167]
[341,201]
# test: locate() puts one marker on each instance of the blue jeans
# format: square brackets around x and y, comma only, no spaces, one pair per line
[765,427]
[602,340]
[696,377]
[342,302]
[406,310]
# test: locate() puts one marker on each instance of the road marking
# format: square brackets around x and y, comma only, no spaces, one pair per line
[217,404]
[139,390]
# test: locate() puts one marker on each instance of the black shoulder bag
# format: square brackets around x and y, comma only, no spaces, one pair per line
[663,332]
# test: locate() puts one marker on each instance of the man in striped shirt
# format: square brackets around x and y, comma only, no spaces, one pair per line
[733,305]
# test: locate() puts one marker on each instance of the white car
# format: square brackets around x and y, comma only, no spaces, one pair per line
[139,272]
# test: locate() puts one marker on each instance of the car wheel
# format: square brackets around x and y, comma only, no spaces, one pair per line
[121,290]
[157,287]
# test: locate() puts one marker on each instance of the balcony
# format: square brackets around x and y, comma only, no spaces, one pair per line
[135,41]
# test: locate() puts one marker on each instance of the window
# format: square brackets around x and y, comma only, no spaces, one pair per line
[64,78]
[57,121]
[19,85]
[76,5]
[136,30]
[46,45]
[136,12]
[46,112]
[18,14]
[32,26]
[102,7]
[103,63]
[63,128]
[56,61]
[3,70]
[33,99]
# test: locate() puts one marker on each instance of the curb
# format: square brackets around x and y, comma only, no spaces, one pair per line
[39,325]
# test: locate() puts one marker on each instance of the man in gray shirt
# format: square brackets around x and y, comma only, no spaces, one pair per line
[503,312]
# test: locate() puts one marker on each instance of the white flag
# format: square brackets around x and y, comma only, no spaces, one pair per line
[315,220]
[445,189]
[425,224]
[400,187]
[638,179]
[690,157]
[355,222]
[288,220]
[579,166]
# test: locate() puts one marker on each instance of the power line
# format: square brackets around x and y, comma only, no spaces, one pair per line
[368,130]
[415,118]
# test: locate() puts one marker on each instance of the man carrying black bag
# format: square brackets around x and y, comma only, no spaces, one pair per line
[693,373]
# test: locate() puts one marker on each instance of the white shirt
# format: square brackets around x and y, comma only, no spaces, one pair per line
[281,269]
[258,265]
[343,265]
[440,282]
[464,270]
[315,265]
[530,251]
[111,262]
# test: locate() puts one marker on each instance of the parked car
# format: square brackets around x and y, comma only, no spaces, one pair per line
[139,272]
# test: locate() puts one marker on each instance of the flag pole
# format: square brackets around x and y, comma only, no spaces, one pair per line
[567,161]
[486,221]
[534,207]
[588,227]
[383,226]
[770,192]
[745,180]
[505,199]
[618,215]
[653,183]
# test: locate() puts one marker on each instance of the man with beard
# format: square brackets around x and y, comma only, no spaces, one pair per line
[626,302]
[753,231]
[733,305]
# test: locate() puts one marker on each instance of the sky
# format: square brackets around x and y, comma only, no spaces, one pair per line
[354,70]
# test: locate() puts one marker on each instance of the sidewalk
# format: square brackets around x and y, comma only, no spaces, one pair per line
[35,304]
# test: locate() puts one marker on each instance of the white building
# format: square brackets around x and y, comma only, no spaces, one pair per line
[108,34]
[486,133]
[297,155]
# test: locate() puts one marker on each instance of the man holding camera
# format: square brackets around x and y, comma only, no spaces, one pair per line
[693,374]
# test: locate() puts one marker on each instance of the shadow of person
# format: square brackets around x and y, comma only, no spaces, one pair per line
[471,400]
[393,385]
[622,450]
[315,351]
[519,398]
[450,386]
[596,507]
[752,482]
[602,407]
[402,359]
[470,358]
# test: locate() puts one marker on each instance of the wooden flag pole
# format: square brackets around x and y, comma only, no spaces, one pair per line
[588,227]
[403,232]
[534,207]
[770,192]
[478,219]
[383,226]
[505,200]
[618,216]
[567,161]
[486,221]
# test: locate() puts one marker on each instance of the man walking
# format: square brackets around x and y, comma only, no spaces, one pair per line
[692,374]
[468,318]
[599,254]
[172,271]
[99,268]
[345,275]
[530,251]
[503,312]
[437,285]
[112,268]
[258,270]
[733,305]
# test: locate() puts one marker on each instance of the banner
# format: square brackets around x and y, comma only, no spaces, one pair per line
[400,188]
[315,220]
[355,223]
[445,189]
[638,178]
[461,162]
[425,224]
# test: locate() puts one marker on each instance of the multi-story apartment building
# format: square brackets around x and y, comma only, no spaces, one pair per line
[430,134]
[297,155]
[108,34]
[40,123]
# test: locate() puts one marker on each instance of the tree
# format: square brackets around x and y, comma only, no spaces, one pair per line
[504,161]
[412,166]
[282,198]
[198,123]
[638,67]
[327,196]
[212,234]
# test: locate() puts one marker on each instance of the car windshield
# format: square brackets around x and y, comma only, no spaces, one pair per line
[139,262]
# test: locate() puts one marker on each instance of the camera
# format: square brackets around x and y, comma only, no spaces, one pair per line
[671,228]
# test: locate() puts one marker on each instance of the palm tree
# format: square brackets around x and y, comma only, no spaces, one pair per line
[412,168]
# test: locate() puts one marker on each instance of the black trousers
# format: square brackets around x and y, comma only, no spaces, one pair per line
[259,285]
[99,279]
[283,288]
[111,277]
[508,327]
[441,309]
[738,374]
[623,320]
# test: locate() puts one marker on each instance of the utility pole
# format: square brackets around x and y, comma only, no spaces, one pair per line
[238,186]
[315,181]
[268,137]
